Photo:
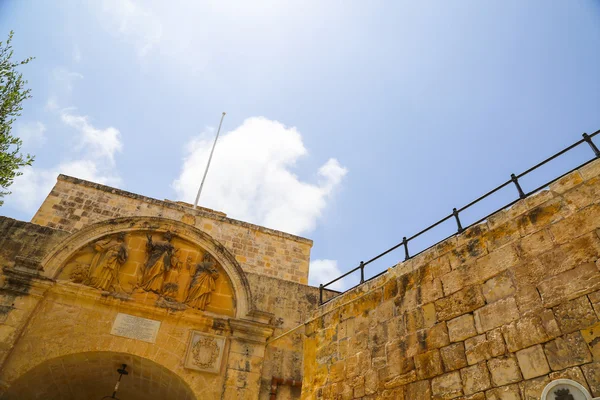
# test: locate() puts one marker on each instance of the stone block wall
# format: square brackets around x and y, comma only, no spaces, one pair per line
[292,304]
[494,313]
[74,204]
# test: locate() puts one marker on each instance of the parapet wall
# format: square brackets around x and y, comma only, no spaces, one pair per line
[496,312]
[74,203]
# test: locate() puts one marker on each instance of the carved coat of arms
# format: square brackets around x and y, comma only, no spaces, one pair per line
[205,352]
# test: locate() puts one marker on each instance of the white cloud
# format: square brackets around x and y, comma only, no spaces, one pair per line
[251,176]
[100,143]
[134,22]
[30,189]
[93,160]
[65,78]
[51,104]
[76,54]
[323,271]
[31,133]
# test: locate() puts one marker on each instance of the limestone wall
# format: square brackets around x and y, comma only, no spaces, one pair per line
[494,313]
[292,304]
[74,203]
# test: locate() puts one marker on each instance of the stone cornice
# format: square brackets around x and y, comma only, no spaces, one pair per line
[250,331]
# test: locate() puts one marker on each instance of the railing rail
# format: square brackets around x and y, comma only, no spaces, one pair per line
[514,179]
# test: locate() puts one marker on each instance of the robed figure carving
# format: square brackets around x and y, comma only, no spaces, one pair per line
[106,263]
[159,261]
[170,286]
[203,283]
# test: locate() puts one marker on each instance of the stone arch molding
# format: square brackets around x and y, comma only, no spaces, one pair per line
[55,261]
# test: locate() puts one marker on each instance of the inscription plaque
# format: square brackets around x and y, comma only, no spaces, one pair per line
[133,327]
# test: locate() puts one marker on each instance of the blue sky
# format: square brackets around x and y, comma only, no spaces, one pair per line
[351,123]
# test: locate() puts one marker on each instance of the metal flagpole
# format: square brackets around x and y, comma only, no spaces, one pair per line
[208,164]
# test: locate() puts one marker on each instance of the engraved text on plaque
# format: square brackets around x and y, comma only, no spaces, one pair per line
[134,327]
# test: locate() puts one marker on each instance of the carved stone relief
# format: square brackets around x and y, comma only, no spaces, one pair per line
[179,273]
[205,352]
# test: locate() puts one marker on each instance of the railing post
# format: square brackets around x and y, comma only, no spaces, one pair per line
[455,213]
[513,178]
[321,294]
[405,243]
[362,272]
[588,139]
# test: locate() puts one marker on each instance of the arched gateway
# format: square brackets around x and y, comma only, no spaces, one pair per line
[185,298]
[92,375]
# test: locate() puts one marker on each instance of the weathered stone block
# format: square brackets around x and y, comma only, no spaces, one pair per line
[459,303]
[439,266]
[583,195]
[584,221]
[502,231]
[496,314]
[591,336]
[504,370]
[429,316]
[429,364]
[484,347]
[413,320]
[475,378]
[528,299]
[524,332]
[337,371]
[570,284]
[461,328]
[453,356]
[400,380]
[590,170]
[592,376]
[483,269]
[447,386]
[567,351]
[476,396]
[511,392]
[550,323]
[536,243]
[542,215]
[575,315]
[567,182]
[398,363]
[420,390]
[499,287]
[532,362]
[532,389]
[371,381]
[436,336]
[595,300]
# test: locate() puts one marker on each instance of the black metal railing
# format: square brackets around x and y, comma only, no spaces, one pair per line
[514,179]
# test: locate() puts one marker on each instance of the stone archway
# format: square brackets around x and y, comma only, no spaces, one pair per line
[92,375]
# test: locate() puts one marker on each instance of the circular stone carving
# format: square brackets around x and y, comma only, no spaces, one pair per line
[205,352]
[565,389]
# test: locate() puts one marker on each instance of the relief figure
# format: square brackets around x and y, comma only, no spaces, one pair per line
[202,284]
[171,280]
[106,263]
[158,262]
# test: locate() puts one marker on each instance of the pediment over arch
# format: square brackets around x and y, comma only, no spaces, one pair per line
[155,261]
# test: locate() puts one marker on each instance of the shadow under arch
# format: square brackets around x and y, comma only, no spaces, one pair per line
[92,375]
[57,258]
